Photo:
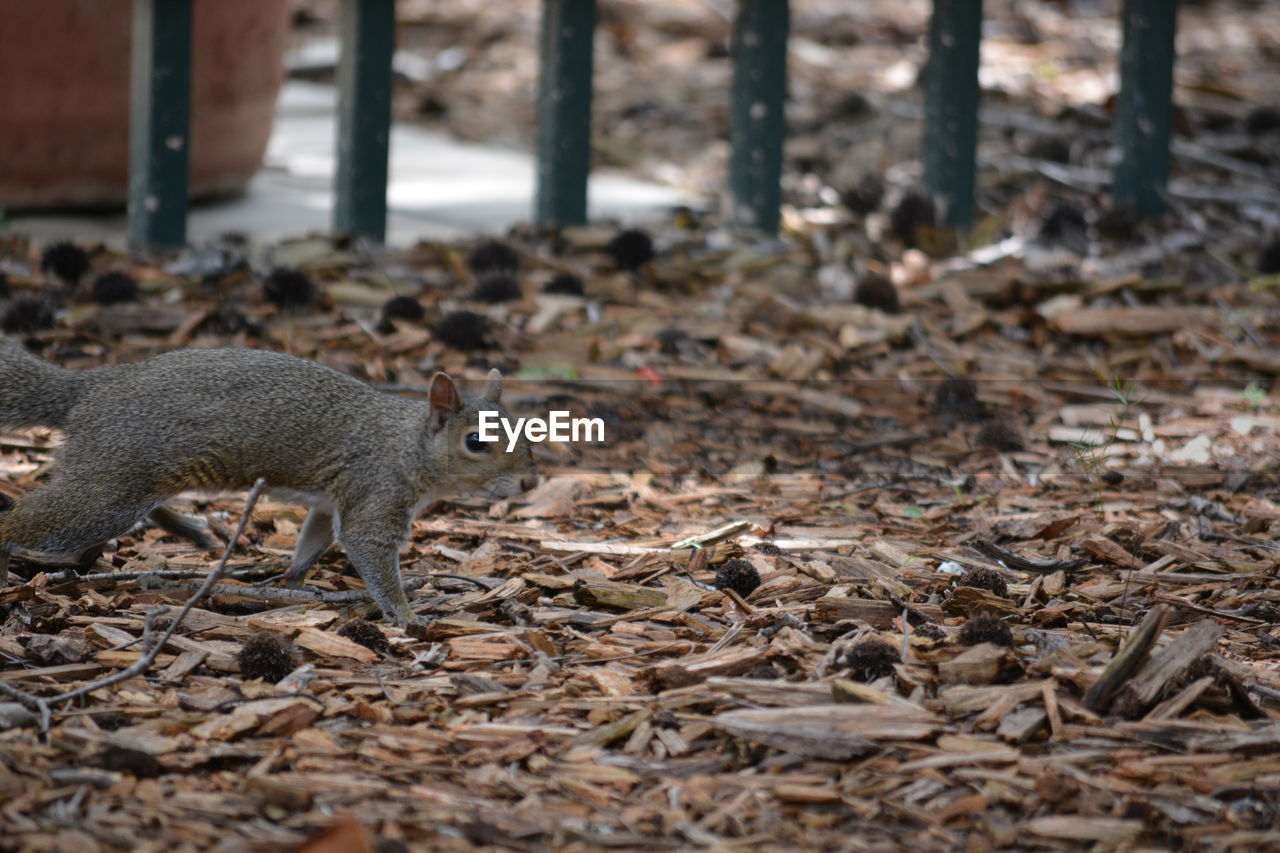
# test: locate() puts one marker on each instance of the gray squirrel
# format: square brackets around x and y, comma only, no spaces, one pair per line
[364,462]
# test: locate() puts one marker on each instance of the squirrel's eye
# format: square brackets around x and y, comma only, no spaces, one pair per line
[475,445]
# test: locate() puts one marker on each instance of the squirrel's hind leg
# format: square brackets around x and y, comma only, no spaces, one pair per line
[69,516]
[172,521]
[313,540]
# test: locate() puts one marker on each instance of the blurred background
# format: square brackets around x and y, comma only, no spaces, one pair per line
[466,76]
[662,75]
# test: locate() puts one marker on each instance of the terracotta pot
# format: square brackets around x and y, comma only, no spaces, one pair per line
[64,98]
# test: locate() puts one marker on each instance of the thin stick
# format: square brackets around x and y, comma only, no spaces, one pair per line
[299,596]
[70,576]
[310,595]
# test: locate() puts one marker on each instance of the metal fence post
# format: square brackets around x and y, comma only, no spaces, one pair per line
[758,122]
[159,123]
[564,111]
[368,30]
[951,107]
[1144,107]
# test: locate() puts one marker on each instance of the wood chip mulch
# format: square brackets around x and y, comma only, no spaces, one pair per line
[1032,603]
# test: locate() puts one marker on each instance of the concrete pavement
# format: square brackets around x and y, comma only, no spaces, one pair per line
[440,188]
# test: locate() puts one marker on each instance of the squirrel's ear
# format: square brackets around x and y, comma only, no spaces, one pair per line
[492,390]
[444,399]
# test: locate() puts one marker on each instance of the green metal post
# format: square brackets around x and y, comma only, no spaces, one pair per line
[757,117]
[564,111]
[951,107]
[159,123]
[364,117]
[1144,108]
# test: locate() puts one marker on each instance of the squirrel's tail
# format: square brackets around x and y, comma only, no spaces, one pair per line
[34,392]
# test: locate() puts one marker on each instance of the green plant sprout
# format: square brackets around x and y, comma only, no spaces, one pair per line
[1091,457]
[1254,396]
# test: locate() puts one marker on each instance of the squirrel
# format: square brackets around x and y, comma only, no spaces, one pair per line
[364,462]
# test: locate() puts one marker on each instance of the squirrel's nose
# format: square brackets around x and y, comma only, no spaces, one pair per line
[528,482]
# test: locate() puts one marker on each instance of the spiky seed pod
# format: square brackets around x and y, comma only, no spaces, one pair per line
[403,308]
[864,196]
[1003,435]
[738,575]
[985,628]
[631,249]
[268,656]
[27,315]
[876,291]
[493,256]
[911,212]
[366,634]
[114,287]
[495,286]
[286,287]
[957,397]
[870,659]
[65,260]
[464,330]
[984,578]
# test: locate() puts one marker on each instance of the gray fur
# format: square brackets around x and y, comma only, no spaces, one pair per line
[219,419]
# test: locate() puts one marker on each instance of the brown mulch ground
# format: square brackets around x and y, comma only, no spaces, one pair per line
[1016,537]
[603,693]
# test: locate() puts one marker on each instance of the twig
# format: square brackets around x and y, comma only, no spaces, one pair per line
[149,649]
[1262,690]
[311,594]
[70,576]
[482,584]
[1261,544]
[298,596]
[1019,563]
